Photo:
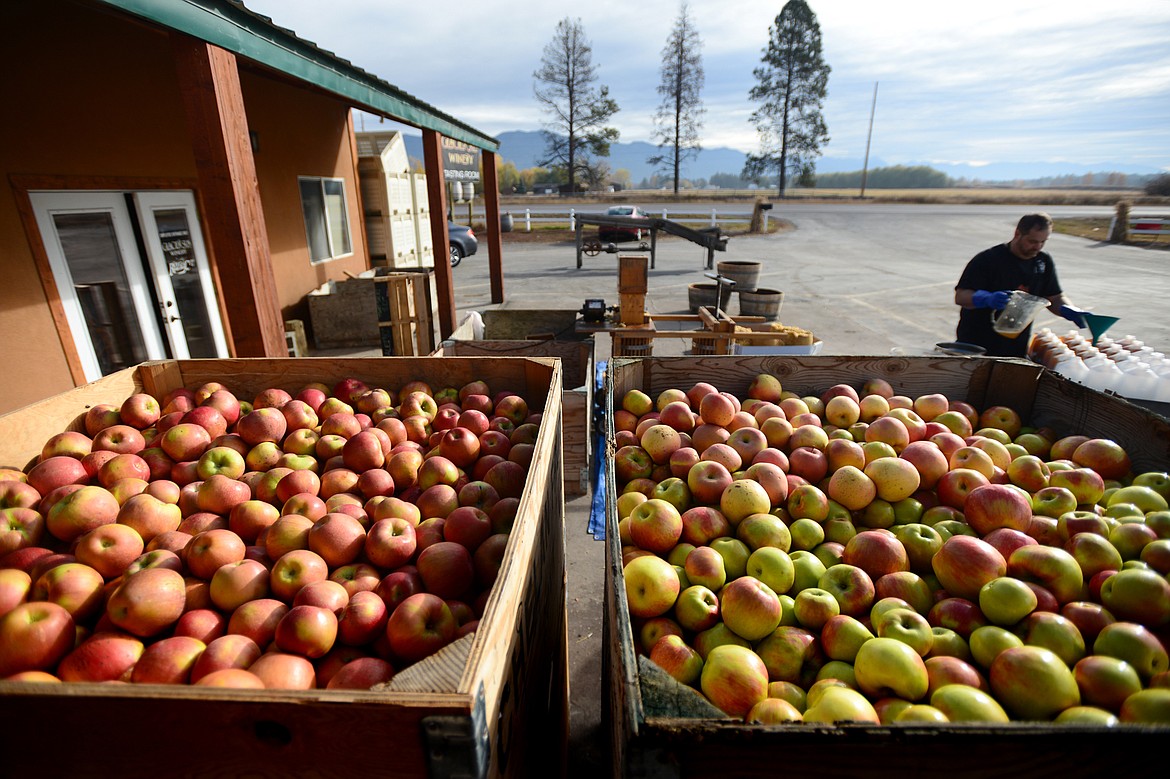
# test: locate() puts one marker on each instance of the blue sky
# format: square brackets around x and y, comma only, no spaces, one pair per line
[983,82]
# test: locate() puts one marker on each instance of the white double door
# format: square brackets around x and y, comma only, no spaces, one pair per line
[132,272]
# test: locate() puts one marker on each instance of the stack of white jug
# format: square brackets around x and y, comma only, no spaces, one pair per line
[1124,366]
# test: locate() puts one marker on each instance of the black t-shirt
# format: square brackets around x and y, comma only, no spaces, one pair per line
[998,269]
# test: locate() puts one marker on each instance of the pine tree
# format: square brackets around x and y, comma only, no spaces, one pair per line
[679,115]
[578,109]
[792,84]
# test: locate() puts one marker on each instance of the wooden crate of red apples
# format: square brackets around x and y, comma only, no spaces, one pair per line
[263,531]
[851,553]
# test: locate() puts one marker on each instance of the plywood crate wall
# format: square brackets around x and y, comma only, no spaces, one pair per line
[491,704]
[661,728]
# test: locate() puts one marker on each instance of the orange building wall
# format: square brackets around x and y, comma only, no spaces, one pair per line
[92,95]
[300,133]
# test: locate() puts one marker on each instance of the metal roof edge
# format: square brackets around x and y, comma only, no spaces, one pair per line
[233,27]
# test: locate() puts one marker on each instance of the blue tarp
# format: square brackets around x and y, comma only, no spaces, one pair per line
[597,509]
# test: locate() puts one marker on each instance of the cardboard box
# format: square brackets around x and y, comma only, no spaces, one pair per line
[661,728]
[491,704]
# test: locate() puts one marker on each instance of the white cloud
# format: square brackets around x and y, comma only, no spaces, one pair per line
[999,80]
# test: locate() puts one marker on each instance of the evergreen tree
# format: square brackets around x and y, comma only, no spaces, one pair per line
[792,84]
[578,109]
[679,115]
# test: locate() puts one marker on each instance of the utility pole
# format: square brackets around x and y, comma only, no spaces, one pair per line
[868,137]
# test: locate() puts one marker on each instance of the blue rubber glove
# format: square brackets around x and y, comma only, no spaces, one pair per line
[984,299]
[1074,315]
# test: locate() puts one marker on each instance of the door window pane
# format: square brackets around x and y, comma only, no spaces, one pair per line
[174,233]
[326,220]
[91,251]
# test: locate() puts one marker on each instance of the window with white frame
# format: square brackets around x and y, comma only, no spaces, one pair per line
[326,219]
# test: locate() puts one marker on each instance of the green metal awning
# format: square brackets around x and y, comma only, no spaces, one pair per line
[231,26]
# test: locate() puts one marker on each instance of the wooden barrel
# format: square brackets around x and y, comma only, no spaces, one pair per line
[745,273]
[761,302]
[703,294]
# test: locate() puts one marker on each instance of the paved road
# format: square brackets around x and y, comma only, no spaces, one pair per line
[866,279]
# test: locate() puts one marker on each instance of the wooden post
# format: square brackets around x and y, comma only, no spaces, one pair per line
[233,214]
[437,200]
[491,208]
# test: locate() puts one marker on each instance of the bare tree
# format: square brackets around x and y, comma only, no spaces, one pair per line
[578,109]
[792,84]
[679,115]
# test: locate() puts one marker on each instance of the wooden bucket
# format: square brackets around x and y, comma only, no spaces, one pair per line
[761,302]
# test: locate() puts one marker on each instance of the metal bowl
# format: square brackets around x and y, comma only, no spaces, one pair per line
[960,349]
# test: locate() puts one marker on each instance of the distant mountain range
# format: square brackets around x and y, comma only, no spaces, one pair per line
[523,148]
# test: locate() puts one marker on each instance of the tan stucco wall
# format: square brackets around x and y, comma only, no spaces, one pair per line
[90,95]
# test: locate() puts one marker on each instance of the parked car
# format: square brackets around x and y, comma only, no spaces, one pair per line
[463,242]
[623,233]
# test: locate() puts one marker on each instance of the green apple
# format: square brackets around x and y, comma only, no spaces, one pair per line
[888,709]
[773,567]
[829,553]
[1093,553]
[1087,715]
[1134,644]
[697,608]
[1159,481]
[806,534]
[921,543]
[1055,633]
[879,513]
[1147,706]
[948,643]
[1137,595]
[764,530]
[884,606]
[909,627]
[1033,683]
[838,670]
[773,711]
[988,641]
[908,511]
[842,704]
[735,554]
[716,635]
[652,586]
[886,666]
[807,570]
[961,703]
[789,691]
[1144,497]
[921,712]
[1006,600]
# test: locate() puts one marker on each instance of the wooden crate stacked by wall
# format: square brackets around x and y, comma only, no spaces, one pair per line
[491,704]
[344,314]
[404,312]
[576,403]
[664,729]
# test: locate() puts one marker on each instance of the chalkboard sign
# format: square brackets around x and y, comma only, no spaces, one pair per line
[460,160]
